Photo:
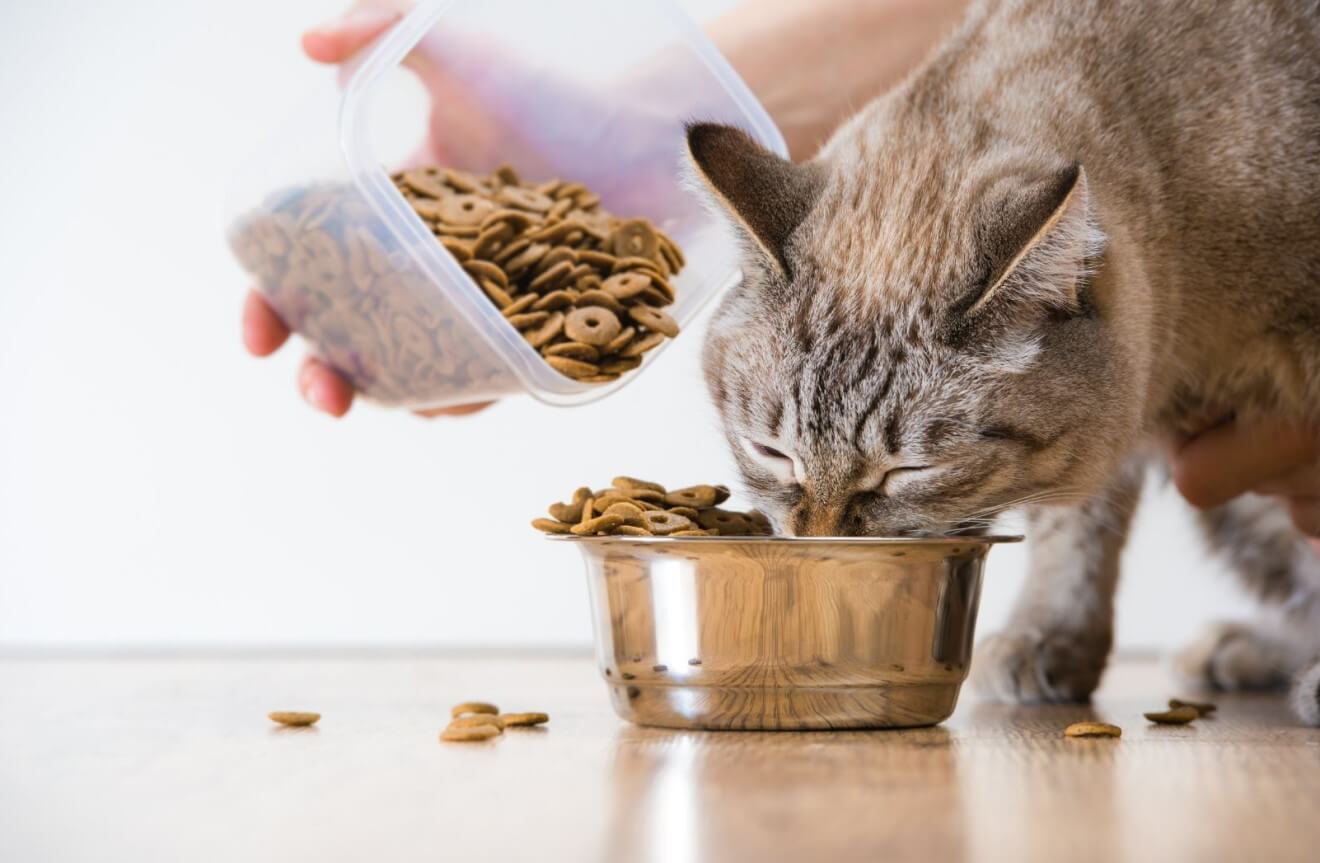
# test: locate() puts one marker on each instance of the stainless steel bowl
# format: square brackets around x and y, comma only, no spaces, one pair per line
[778,633]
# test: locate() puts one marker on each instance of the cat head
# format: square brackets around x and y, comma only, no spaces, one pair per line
[916,343]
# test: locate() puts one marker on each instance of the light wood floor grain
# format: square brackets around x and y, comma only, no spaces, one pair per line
[172,760]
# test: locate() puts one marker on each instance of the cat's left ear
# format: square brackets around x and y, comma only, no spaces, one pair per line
[768,196]
[1038,241]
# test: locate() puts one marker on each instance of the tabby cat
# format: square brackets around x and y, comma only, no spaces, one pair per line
[1073,229]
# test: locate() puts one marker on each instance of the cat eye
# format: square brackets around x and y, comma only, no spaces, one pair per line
[769,451]
[775,462]
[900,474]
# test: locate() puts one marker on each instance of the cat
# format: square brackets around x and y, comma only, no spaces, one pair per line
[1076,228]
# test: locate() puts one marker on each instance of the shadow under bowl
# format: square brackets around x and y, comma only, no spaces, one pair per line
[775,633]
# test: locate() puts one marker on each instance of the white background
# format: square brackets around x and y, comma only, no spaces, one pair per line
[160,488]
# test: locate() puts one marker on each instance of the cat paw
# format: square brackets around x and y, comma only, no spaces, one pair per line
[1306,695]
[1031,667]
[1232,656]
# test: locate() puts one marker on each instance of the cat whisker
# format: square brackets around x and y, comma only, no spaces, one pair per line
[1051,496]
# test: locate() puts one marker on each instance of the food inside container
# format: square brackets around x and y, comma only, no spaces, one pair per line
[585,288]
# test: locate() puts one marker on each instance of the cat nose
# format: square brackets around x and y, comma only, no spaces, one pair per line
[820,520]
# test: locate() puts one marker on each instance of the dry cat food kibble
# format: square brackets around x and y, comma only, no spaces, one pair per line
[514,720]
[634,507]
[1202,708]
[321,258]
[293,717]
[1093,729]
[585,288]
[474,721]
[1174,715]
[470,734]
[473,707]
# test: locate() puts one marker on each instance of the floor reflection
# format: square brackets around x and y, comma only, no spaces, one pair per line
[1156,793]
[685,797]
[1017,808]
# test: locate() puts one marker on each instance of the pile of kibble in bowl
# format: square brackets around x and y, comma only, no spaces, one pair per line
[635,507]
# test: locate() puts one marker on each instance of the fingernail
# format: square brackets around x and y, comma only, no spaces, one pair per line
[320,394]
[305,383]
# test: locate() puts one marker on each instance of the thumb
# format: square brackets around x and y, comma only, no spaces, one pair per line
[338,40]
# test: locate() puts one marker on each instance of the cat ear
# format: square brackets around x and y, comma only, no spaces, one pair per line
[1038,245]
[769,196]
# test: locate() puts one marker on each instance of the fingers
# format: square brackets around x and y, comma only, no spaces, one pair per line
[1232,459]
[263,331]
[339,40]
[456,411]
[1304,481]
[323,388]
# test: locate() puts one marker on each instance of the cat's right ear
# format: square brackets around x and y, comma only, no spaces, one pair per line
[767,195]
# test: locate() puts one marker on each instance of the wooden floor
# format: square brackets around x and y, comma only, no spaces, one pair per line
[172,760]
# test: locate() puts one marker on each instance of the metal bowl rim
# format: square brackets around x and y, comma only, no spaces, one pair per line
[796,540]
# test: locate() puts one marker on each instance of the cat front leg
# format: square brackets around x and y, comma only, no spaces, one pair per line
[1306,693]
[1057,640]
[1273,561]
[1281,649]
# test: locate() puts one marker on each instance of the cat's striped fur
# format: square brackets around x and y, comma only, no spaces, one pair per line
[1074,228]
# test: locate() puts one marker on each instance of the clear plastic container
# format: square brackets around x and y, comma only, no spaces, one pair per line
[592,91]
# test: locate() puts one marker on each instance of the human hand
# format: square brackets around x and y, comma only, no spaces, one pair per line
[1269,457]
[320,386]
[845,53]
[263,331]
